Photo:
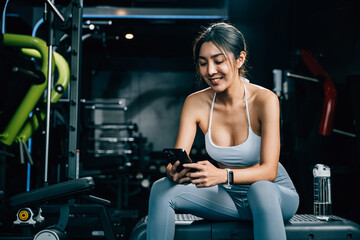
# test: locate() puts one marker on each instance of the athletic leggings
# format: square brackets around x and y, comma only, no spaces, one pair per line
[266,203]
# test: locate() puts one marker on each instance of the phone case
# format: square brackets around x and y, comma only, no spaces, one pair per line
[175,154]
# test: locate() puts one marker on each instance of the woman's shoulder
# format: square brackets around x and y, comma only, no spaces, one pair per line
[263,99]
[197,105]
[201,96]
[261,94]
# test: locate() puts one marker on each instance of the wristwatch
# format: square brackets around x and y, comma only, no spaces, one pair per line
[230,178]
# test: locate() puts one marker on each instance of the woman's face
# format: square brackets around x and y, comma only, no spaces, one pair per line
[218,70]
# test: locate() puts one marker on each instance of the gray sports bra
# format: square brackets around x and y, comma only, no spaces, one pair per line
[244,154]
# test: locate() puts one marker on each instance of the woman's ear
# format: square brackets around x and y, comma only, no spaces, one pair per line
[240,61]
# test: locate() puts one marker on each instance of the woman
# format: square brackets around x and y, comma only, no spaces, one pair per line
[240,122]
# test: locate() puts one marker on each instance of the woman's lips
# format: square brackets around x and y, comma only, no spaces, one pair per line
[215,81]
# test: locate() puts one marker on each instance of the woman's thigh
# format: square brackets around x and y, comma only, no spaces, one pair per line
[265,196]
[210,202]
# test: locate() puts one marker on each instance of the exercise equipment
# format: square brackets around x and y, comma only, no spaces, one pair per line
[299,227]
[330,95]
[34,93]
[28,207]
[20,128]
[62,197]
[328,110]
[111,150]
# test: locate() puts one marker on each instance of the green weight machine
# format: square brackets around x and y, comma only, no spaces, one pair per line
[20,127]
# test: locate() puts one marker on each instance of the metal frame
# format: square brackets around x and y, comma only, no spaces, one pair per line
[75,70]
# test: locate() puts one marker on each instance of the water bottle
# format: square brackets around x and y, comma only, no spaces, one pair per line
[322,192]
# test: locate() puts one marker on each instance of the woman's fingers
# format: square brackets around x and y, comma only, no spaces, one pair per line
[178,177]
[194,166]
[199,182]
[206,174]
[196,174]
[174,166]
[185,180]
[199,173]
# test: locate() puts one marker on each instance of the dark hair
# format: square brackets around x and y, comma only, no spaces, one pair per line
[226,37]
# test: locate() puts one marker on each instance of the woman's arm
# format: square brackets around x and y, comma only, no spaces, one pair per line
[188,124]
[267,108]
[186,134]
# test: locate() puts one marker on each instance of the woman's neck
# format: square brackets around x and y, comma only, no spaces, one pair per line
[232,94]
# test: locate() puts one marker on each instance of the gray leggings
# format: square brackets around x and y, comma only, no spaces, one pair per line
[269,204]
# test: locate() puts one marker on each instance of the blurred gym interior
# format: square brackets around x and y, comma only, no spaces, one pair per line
[120,72]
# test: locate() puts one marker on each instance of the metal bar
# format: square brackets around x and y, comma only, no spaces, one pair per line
[75,70]
[49,86]
[27,153]
[64,217]
[48,107]
[344,133]
[113,139]
[98,22]
[302,77]
[7,154]
[92,102]
[22,160]
[56,11]
[108,152]
[94,107]
[114,126]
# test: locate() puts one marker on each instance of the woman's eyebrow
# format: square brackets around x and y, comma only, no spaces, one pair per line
[214,56]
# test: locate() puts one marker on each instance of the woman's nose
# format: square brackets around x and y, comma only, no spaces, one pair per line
[211,69]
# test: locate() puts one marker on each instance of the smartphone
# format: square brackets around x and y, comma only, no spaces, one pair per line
[175,154]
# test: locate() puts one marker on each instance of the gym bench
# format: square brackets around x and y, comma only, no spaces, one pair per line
[300,227]
[29,209]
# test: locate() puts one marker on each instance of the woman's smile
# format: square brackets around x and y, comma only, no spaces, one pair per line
[215,81]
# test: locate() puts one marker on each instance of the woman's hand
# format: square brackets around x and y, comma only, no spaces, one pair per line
[175,176]
[205,174]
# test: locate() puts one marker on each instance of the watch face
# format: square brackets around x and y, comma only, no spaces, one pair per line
[231,177]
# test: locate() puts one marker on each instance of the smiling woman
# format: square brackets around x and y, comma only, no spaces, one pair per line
[214,65]
[240,123]
[226,39]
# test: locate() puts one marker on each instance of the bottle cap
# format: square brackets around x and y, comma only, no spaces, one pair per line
[321,170]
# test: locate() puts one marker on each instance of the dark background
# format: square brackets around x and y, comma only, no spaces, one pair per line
[154,73]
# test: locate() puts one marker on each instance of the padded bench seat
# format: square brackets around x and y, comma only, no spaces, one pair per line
[60,190]
[300,227]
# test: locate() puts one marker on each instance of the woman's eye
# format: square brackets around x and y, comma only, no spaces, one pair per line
[202,64]
[219,60]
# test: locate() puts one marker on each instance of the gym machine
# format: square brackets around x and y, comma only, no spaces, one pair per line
[64,195]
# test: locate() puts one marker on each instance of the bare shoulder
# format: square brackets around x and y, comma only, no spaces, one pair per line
[199,98]
[262,96]
[265,103]
[197,105]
